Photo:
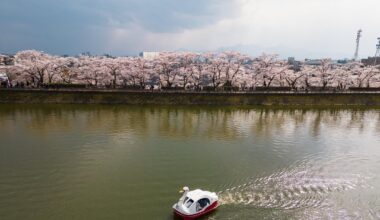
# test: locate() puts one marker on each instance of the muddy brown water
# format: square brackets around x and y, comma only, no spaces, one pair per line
[128,162]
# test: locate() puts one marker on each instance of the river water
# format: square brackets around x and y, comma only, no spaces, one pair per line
[123,162]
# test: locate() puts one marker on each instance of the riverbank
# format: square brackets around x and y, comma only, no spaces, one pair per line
[12,96]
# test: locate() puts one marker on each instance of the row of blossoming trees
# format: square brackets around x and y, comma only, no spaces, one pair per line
[185,70]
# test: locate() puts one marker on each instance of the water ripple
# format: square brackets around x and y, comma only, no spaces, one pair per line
[299,187]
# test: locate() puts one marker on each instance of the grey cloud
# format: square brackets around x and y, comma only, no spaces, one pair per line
[71,26]
[164,15]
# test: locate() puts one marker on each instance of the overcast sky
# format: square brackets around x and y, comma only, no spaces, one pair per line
[300,28]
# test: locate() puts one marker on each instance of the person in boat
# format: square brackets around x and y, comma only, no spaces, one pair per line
[201,204]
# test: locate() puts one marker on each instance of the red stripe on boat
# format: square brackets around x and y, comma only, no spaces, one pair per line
[204,212]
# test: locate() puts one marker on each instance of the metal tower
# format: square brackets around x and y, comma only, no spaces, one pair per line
[356,56]
[377,55]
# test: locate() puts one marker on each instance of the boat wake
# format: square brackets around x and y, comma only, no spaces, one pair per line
[291,189]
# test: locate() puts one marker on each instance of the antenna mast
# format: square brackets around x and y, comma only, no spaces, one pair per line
[359,35]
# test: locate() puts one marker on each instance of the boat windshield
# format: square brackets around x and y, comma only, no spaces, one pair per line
[189,203]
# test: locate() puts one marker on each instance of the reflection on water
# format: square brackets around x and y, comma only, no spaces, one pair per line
[112,162]
[185,122]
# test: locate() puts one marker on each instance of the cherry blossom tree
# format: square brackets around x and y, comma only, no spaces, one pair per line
[68,71]
[114,67]
[34,65]
[233,66]
[342,78]
[309,76]
[269,67]
[13,73]
[227,71]
[186,68]
[215,66]
[369,73]
[252,77]
[167,65]
[137,72]
[198,69]
[92,71]
[293,78]
[325,72]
